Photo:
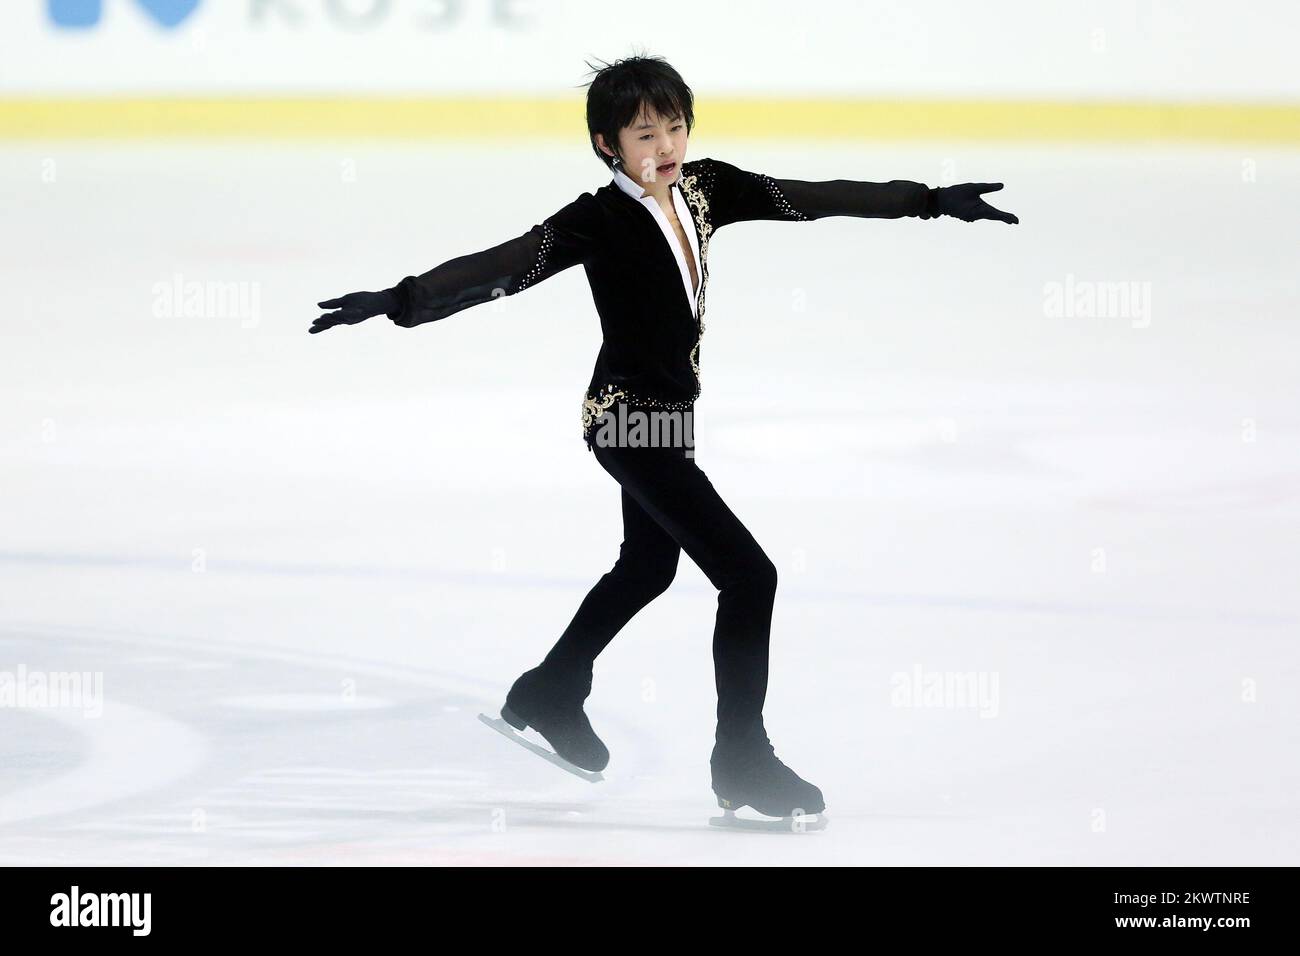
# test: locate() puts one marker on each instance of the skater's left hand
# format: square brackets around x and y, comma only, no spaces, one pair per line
[963,202]
[353,308]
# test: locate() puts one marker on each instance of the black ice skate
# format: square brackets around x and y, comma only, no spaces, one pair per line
[549,699]
[752,776]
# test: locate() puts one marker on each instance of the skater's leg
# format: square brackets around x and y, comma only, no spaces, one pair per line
[677,494]
[645,567]
[549,697]
[672,489]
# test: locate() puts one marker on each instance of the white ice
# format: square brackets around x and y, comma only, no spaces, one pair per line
[302,565]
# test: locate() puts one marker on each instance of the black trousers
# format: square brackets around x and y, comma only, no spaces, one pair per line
[670,506]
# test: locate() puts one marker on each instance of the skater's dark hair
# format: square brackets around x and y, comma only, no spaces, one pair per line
[620,91]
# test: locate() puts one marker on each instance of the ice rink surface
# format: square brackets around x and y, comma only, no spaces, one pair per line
[302,565]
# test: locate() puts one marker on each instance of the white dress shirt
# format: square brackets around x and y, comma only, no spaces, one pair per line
[638,192]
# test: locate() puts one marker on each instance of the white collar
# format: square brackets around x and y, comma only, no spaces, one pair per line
[626,184]
[639,193]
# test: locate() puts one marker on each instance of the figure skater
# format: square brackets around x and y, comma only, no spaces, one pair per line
[643,241]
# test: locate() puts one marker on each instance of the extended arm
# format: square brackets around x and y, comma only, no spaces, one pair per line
[559,242]
[737,195]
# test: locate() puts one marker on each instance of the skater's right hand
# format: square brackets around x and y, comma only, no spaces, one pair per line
[963,202]
[353,308]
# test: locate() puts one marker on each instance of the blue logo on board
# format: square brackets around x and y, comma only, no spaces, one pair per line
[83,14]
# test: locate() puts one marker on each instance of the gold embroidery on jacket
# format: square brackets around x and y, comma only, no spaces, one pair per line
[594,406]
[696,198]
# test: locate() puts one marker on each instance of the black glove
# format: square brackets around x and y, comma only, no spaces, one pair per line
[963,202]
[355,307]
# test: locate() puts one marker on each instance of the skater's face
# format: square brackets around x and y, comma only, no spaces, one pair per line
[653,148]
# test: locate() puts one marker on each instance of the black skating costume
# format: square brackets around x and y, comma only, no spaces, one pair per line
[652,321]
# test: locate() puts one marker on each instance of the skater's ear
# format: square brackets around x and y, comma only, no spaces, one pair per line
[605,148]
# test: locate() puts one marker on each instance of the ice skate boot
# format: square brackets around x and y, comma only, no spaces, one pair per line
[751,775]
[549,699]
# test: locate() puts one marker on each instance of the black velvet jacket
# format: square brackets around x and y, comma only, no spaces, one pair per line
[649,358]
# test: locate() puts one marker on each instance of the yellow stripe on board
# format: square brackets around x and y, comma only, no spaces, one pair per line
[462,117]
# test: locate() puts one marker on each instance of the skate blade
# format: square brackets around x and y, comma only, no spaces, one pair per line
[809,823]
[501,727]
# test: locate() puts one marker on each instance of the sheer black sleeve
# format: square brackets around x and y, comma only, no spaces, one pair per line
[560,241]
[737,195]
